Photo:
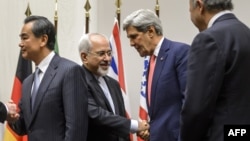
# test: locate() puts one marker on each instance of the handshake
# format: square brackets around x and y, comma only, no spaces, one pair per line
[12,114]
[143,130]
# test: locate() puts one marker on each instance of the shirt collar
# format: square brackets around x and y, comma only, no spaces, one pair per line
[157,49]
[45,62]
[216,16]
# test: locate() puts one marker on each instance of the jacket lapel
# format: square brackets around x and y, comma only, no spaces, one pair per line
[112,93]
[101,97]
[45,82]
[98,94]
[159,67]
[26,96]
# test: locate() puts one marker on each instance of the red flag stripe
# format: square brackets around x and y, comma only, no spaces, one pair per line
[16,91]
[119,55]
[24,69]
[117,71]
[143,114]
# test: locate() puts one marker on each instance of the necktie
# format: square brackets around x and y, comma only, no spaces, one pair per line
[150,76]
[106,92]
[36,84]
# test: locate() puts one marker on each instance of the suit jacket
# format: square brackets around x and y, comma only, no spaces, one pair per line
[167,91]
[3,112]
[218,79]
[60,109]
[103,124]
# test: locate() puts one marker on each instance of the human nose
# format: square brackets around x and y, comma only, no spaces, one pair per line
[132,43]
[20,44]
[107,56]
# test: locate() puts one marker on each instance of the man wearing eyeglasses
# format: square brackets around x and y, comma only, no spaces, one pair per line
[107,117]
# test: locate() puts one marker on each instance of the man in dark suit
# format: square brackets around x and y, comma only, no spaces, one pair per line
[218,77]
[3,112]
[168,80]
[107,116]
[8,111]
[58,111]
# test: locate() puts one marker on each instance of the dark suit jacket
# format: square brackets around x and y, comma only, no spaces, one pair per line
[60,110]
[218,90]
[3,112]
[103,124]
[168,86]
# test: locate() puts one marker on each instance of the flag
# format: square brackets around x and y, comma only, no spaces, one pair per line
[143,111]
[56,49]
[24,69]
[116,69]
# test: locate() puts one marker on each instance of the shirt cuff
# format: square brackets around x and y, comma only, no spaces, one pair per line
[133,126]
[7,110]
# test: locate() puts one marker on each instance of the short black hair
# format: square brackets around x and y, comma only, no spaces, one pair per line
[43,26]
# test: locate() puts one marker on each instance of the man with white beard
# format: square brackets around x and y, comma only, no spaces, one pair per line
[107,115]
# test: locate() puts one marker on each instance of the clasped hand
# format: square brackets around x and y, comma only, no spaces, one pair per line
[143,130]
[12,114]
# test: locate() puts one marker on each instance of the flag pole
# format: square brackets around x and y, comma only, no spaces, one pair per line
[56,49]
[28,11]
[87,8]
[56,17]
[118,11]
[157,8]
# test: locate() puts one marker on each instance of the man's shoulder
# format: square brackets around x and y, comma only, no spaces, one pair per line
[176,43]
[64,61]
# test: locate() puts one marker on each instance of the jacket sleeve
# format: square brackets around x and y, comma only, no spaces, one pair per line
[204,78]
[3,112]
[117,124]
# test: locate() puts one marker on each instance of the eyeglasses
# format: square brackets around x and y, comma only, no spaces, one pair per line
[102,53]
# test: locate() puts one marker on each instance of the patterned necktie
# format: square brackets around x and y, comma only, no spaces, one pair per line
[36,84]
[150,76]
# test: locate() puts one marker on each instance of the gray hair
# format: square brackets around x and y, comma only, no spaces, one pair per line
[142,19]
[85,42]
[211,5]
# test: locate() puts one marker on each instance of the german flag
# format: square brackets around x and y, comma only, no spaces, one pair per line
[24,69]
